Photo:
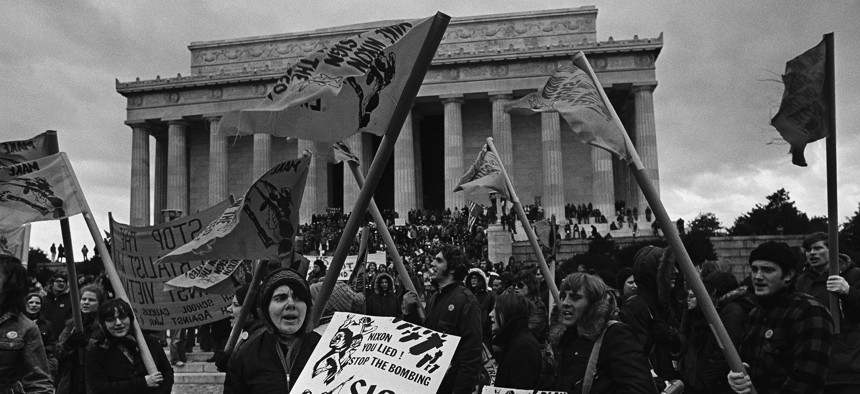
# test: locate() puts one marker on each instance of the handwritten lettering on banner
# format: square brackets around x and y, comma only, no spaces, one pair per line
[381,355]
[213,277]
[349,263]
[135,252]
[503,390]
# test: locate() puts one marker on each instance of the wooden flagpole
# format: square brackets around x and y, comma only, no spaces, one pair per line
[832,197]
[383,153]
[386,235]
[110,269]
[247,306]
[530,232]
[674,239]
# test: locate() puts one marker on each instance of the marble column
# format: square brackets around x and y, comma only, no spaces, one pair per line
[315,197]
[218,163]
[139,209]
[453,150]
[262,155]
[646,137]
[404,170]
[603,186]
[419,168]
[160,184]
[553,175]
[350,188]
[502,129]
[177,167]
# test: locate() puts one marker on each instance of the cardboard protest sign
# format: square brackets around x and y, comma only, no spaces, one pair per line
[372,354]
[135,251]
[211,277]
[503,390]
[349,264]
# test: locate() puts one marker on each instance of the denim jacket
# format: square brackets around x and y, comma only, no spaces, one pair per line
[23,364]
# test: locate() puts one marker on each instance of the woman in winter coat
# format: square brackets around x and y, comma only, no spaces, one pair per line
[272,361]
[114,363]
[587,307]
[513,345]
[476,282]
[72,345]
[383,301]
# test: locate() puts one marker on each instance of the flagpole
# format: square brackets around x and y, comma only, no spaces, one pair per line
[386,235]
[110,269]
[380,161]
[25,252]
[670,232]
[247,306]
[550,280]
[832,197]
[52,146]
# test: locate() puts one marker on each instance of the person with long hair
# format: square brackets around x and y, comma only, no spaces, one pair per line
[23,364]
[513,344]
[72,345]
[33,311]
[114,363]
[587,310]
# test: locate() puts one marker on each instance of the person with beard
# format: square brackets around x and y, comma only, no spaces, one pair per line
[72,345]
[513,344]
[383,301]
[816,281]
[594,350]
[789,333]
[57,305]
[476,282]
[452,310]
[23,365]
[33,312]
[651,313]
[114,363]
[271,361]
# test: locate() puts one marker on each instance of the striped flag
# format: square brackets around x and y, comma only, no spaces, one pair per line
[484,177]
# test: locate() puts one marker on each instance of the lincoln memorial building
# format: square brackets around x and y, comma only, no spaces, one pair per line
[482,63]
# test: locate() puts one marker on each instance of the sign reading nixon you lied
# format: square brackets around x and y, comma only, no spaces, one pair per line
[380,355]
[135,251]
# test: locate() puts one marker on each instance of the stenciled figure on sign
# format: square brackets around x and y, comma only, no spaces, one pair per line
[44,199]
[277,203]
[379,75]
[343,345]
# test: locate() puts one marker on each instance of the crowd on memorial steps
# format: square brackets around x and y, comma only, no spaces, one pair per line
[630,327]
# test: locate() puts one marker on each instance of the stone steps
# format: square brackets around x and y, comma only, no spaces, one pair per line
[197,376]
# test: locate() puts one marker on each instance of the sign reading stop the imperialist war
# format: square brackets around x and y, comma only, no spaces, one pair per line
[372,354]
[135,251]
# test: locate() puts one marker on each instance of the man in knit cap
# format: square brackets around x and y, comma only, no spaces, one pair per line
[787,345]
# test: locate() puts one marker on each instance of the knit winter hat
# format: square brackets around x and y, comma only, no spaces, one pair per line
[777,252]
[299,286]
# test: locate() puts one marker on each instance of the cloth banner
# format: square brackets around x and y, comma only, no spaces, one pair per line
[502,390]
[14,152]
[350,86]
[572,92]
[213,277]
[37,190]
[135,251]
[485,176]
[359,353]
[803,113]
[350,263]
[16,242]
[259,226]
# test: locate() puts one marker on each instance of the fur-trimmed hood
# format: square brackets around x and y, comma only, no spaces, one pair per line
[379,277]
[481,277]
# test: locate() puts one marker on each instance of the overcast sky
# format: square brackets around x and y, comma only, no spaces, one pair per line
[716,93]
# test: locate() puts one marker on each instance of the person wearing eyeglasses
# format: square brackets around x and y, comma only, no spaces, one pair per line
[114,363]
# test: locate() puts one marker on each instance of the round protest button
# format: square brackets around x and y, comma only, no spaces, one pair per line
[12,334]
[451,307]
[768,334]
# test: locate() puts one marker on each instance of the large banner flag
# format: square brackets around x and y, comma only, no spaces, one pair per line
[259,226]
[37,190]
[14,152]
[803,112]
[573,93]
[135,251]
[349,86]
[355,261]
[485,176]
[212,277]
[359,353]
[16,242]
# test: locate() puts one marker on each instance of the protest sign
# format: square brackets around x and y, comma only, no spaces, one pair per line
[135,251]
[16,242]
[372,354]
[349,265]
[503,390]
[211,277]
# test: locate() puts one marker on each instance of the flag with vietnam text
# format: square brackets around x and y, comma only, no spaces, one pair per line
[349,86]
[803,113]
[484,176]
[42,189]
[14,152]
[573,92]
[259,226]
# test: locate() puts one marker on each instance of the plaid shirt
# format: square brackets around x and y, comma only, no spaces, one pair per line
[788,343]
